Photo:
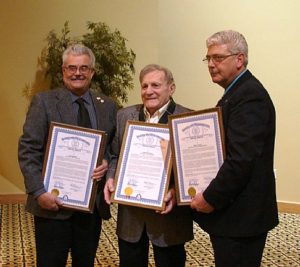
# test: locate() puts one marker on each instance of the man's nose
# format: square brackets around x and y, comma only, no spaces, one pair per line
[77,72]
[210,63]
[149,90]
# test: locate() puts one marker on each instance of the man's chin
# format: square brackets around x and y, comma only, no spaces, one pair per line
[78,90]
[215,79]
[78,83]
[150,102]
[151,108]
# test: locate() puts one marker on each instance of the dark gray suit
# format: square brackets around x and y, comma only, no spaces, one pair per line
[163,230]
[54,105]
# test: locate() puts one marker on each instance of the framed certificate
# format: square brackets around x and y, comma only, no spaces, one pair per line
[144,165]
[197,140]
[71,157]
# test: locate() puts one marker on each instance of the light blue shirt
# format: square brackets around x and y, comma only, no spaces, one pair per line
[234,81]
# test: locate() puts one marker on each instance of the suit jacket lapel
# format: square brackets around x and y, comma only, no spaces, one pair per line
[142,114]
[247,75]
[99,108]
[64,106]
[170,110]
[137,114]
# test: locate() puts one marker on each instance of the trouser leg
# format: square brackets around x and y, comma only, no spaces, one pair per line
[238,252]
[134,254]
[53,240]
[172,256]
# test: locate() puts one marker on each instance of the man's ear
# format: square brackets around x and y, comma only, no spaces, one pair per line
[173,88]
[240,60]
[92,74]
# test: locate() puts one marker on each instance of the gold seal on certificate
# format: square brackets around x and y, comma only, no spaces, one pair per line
[128,191]
[192,191]
[55,192]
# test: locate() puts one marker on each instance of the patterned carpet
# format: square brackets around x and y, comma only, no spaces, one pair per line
[17,247]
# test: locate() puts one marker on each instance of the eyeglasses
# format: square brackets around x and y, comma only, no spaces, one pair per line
[84,69]
[216,58]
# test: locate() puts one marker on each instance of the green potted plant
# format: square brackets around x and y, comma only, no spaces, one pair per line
[114,62]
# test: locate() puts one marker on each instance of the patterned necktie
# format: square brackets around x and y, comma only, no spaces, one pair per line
[83,118]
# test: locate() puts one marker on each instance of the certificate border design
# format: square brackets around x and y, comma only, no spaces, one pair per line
[174,120]
[98,151]
[118,197]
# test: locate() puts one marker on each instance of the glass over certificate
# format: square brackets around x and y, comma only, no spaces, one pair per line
[72,155]
[198,151]
[143,171]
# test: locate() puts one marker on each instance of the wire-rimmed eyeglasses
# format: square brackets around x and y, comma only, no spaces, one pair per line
[83,69]
[216,58]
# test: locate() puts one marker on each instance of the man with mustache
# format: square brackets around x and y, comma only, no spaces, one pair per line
[59,230]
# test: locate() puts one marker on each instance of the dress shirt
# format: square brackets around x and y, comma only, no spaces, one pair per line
[157,115]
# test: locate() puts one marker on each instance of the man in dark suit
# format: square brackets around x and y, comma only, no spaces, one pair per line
[170,229]
[57,230]
[238,208]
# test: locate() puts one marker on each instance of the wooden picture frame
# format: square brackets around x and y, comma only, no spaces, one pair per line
[72,154]
[198,150]
[144,166]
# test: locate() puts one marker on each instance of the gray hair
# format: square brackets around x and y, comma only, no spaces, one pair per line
[78,50]
[235,41]
[153,67]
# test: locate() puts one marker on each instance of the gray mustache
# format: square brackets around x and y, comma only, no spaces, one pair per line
[78,77]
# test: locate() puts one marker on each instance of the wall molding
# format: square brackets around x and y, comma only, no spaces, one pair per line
[21,198]
[12,198]
[288,207]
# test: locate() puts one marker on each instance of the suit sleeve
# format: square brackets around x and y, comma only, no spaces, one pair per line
[110,131]
[32,146]
[247,127]
[116,144]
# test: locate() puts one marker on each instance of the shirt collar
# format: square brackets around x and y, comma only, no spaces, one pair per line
[86,97]
[157,114]
[234,81]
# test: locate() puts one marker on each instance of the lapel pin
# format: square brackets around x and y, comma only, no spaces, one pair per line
[99,98]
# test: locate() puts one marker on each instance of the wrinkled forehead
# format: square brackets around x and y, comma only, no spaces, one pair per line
[154,75]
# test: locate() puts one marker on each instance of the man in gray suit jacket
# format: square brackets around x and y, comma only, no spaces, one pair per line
[56,229]
[170,229]
[239,207]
